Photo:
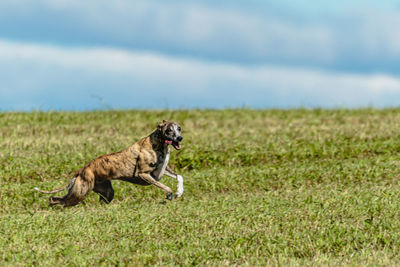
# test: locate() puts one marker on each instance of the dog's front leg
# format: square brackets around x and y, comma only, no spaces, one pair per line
[179,187]
[148,178]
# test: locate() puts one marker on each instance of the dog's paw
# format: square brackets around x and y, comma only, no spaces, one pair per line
[170,196]
[177,195]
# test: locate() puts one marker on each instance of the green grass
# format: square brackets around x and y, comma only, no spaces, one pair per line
[268,187]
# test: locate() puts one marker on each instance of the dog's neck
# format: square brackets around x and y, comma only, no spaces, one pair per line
[157,140]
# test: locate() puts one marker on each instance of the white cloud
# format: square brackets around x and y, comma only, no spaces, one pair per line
[36,75]
[358,39]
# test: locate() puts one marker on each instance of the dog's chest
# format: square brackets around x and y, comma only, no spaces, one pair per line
[162,162]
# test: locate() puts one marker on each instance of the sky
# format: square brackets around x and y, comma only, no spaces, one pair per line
[121,54]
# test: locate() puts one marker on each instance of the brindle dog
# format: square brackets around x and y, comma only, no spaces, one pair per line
[143,163]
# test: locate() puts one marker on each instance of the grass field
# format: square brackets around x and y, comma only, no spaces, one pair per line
[273,187]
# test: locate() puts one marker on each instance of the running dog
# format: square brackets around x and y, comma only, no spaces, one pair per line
[143,163]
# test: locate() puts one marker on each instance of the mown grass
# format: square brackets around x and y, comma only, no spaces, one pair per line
[267,187]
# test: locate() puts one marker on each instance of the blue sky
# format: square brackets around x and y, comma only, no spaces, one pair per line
[97,54]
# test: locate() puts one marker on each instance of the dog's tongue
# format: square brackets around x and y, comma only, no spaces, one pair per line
[168,142]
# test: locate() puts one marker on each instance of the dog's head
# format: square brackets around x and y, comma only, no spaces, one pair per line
[170,133]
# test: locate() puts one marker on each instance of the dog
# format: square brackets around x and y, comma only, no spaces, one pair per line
[143,163]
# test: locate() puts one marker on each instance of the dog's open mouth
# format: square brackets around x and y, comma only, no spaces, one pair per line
[175,144]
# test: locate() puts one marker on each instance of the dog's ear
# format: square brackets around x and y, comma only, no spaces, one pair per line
[161,124]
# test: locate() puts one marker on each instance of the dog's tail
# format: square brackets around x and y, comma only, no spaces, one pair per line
[57,190]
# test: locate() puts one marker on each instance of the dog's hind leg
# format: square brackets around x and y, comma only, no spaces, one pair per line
[60,200]
[78,190]
[56,200]
[105,190]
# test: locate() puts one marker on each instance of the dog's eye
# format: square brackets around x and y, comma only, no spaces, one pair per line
[168,131]
[179,128]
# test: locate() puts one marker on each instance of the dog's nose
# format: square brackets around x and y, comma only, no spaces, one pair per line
[179,138]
